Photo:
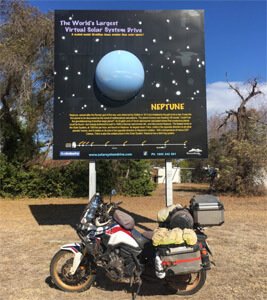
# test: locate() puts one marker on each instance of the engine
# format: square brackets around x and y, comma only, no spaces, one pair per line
[119,265]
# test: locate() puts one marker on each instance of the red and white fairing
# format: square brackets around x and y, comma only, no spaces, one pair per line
[119,235]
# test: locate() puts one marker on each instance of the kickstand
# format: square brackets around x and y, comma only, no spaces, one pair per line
[139,282]
[213,263]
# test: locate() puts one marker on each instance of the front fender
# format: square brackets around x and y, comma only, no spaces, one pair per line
[76,249]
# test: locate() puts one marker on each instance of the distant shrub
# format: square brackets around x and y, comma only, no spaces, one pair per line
[137,180]
[127,177]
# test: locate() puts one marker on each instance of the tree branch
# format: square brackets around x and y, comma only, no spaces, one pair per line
[6,93]
[236,90]
[229,114]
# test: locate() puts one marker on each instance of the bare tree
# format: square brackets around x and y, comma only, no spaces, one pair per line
[242,115]
[240,152]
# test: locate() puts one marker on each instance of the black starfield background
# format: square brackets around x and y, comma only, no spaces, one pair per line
[171,50]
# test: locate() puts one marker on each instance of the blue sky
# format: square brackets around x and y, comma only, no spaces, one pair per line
[235,32]
[235,36]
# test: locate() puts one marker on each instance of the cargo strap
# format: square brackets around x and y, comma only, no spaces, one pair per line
[179,261]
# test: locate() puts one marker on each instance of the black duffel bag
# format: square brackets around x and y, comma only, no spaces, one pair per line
[178,217]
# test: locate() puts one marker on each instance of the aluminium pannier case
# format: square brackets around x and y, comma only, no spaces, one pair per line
[207,210]
[180,260]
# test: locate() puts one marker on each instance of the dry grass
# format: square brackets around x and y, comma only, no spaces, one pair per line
[32,230]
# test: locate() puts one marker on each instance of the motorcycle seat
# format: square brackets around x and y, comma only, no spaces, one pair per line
[141,239]
[148,234]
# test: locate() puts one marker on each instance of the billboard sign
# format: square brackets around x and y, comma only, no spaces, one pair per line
[129,84]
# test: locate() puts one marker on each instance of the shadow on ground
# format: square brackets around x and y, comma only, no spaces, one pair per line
[69,214]
[151,285]
[199,190]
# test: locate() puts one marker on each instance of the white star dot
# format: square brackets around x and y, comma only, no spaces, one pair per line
[198,59]
[63,37]
[170,37]
[203,63]
[173,82]
[73,95]
[143,96]
[168,21]
[79,73]
[140,22]
[192,98]
[187,28]
[173,61]
[154,40]
[161,66]
[161,52]
[167,100]
[146,49]
[199,65]
[157,85]
[102,106]
[178,93]
[55,73]
[85,105]
[89,86]
[197,91]
[187,47]
[67,68]
[91,61]
[187,71]
[58,97]
[76,51]
[66,78]
[61,101]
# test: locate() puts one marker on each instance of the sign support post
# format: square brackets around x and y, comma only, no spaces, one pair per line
[168,182]
[92,179]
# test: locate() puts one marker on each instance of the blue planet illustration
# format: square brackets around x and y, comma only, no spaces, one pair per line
[119,75]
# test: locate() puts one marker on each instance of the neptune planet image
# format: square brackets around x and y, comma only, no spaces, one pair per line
[119,75]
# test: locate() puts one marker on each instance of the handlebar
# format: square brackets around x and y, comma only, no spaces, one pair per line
[116,204]
[98,212]
[106,216]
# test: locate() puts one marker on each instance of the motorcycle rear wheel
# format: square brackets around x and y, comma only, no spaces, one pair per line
[60,266]
[187,284]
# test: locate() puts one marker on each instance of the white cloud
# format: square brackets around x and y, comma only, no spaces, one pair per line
[221,98]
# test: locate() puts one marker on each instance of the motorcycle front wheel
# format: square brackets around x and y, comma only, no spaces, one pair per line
[187,284]
[60,267]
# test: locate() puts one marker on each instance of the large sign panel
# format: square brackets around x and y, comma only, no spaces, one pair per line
[129,84]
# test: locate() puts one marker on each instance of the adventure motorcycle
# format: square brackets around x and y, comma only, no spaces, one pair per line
[110,241]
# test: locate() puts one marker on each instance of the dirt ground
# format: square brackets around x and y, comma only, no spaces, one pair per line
[32,230]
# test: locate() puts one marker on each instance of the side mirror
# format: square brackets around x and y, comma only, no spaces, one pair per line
[112,193]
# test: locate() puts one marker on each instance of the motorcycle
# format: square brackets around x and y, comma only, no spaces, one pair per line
[110,241]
